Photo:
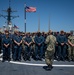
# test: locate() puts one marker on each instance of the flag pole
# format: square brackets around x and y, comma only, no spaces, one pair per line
[25,17]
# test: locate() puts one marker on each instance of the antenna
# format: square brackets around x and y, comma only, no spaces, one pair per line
[39,24]
[9,2]
[49,25]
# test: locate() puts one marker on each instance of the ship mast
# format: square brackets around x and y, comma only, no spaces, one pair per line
[9,17]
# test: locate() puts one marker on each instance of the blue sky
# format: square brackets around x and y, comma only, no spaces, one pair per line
[58,13]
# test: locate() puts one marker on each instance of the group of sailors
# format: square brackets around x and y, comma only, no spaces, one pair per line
[35,45]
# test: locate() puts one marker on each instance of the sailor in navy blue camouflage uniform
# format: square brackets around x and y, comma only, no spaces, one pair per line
[62,46]
[28,47]
[17,41]
[39,40]
[6,41]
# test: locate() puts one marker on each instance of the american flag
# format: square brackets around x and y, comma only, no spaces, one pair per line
[16,26]
[30,9]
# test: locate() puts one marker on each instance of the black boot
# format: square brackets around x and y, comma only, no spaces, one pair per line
[48,68]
